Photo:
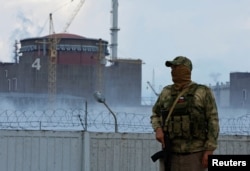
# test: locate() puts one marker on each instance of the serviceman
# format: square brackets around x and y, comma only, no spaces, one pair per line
[192,126]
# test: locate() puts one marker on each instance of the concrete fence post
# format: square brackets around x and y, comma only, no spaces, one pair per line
[86,152]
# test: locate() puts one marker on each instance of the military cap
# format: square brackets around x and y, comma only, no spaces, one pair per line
[180,60]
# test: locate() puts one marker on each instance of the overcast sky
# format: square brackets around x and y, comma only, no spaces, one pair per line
[214,34]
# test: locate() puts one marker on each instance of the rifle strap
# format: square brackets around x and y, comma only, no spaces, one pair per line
[176,100]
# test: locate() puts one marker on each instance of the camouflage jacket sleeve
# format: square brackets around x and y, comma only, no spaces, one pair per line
[156,120]
[211,113]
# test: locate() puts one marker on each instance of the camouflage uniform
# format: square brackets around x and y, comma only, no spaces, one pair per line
[195,126]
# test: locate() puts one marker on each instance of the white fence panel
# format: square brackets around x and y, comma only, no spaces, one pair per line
[123,152]
[90,151]
[233,144]
[40,151]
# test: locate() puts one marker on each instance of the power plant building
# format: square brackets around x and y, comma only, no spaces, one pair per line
[80,69]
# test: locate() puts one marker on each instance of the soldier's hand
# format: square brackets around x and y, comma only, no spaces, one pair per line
[159,135]
[205,158]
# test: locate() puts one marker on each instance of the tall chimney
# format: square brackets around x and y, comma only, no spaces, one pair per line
[114,29]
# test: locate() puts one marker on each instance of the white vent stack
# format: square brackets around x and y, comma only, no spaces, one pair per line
[114,29]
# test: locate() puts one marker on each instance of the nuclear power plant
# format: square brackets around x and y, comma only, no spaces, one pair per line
[68,68]
[80,68]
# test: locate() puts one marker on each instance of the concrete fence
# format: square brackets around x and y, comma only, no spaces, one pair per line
[90,151]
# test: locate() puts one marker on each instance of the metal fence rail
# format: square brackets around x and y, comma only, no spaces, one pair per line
[78,119]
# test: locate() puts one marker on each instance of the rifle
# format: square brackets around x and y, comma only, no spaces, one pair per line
[165,153]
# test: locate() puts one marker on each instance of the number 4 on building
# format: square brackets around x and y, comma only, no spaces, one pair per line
[36,64]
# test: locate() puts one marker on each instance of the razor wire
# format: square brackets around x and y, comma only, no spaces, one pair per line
[99,121]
